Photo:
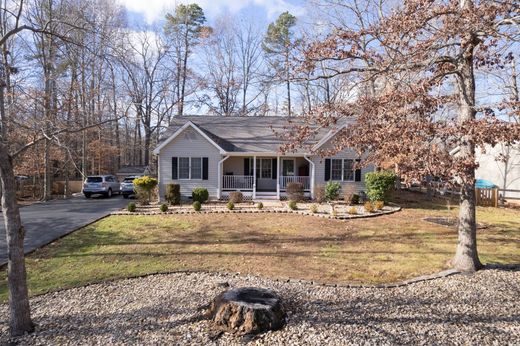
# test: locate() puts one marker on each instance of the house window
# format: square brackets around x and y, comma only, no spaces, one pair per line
[184,168]
[342,169]
[264,168]
[336,168]
[190,168]
[196,168]
[348,170]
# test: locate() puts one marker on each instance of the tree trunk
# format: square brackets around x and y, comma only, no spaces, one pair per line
[184,73]
[466,257]
[19,311]
[147,141]
[288,82]
[47,189]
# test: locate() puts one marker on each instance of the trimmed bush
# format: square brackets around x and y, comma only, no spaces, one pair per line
[131,207]
[200,194]
[379,185]
[260,206]
[379,205]
[294,191]
[293,205]
[351,198]
[144,186]
[164,207]
[197,205]
[236,197]
[173,194]
[313,208]
[352,210]
[332,190]
[369,207]
[319,193]
[230,205]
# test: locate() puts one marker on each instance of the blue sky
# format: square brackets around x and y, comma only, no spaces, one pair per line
[265,11]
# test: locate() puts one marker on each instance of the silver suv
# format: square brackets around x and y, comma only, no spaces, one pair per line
[127,187]
[105,185]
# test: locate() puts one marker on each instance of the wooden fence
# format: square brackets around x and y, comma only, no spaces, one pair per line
[487,197]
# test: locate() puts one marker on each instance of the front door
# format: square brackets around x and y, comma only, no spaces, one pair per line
[288,167]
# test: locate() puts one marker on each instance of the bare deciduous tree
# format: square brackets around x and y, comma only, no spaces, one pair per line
[419,59]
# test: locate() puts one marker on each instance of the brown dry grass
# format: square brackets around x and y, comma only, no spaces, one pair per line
[375,250]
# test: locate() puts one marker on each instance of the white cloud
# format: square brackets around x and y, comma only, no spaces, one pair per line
[154,10]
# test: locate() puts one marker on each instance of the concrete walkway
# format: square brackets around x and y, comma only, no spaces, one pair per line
[45,222]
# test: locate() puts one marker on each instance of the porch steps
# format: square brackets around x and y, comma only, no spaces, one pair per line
[266,195]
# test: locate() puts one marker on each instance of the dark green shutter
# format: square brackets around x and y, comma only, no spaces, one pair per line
[327,169]
[358,171]
[174,168]
[204,168]
[275,168]
[247,170]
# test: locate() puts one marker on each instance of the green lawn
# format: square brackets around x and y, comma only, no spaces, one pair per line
[374,250]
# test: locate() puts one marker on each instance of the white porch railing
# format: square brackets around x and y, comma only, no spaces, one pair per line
[304,180]
[237,182]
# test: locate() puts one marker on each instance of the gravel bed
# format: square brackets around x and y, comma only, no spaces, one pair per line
[341,211]
[481,309]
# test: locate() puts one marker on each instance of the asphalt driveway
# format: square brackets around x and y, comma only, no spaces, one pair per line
[45,222]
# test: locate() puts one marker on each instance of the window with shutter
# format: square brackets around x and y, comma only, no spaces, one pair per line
[196,168]
[336,172]
[184,168]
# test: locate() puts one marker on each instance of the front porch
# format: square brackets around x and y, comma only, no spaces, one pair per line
[264,177]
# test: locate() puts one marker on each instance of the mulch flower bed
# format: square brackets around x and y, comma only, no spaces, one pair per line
[338,211]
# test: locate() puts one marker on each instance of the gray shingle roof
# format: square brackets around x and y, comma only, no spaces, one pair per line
[132,169]
[243,134]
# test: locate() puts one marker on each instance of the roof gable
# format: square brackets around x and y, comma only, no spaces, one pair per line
[188,124]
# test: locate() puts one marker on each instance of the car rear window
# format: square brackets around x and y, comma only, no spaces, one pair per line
[94,179]
[129,180]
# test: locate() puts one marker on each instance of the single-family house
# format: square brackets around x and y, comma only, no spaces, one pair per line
[500,164]
[225,154]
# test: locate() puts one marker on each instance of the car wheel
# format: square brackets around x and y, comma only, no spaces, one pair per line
[109,193]
[87,195]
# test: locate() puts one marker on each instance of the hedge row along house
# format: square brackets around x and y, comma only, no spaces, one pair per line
[225,154]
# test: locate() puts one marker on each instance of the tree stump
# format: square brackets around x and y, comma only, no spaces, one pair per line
[247,310]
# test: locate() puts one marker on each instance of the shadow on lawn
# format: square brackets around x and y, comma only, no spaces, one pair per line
[280,253]
[417,200]
[267,239]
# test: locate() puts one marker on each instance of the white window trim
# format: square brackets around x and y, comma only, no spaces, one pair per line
[343,171]
[189,168]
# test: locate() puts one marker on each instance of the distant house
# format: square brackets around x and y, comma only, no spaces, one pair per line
[127,171]
[503,173]
[225,154]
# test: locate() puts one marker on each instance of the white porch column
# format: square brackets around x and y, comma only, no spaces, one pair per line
[312,175]
[219,175]
[254,177]
[278,176]
[159,179]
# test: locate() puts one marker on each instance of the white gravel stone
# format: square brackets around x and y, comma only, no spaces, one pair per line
[482,309]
